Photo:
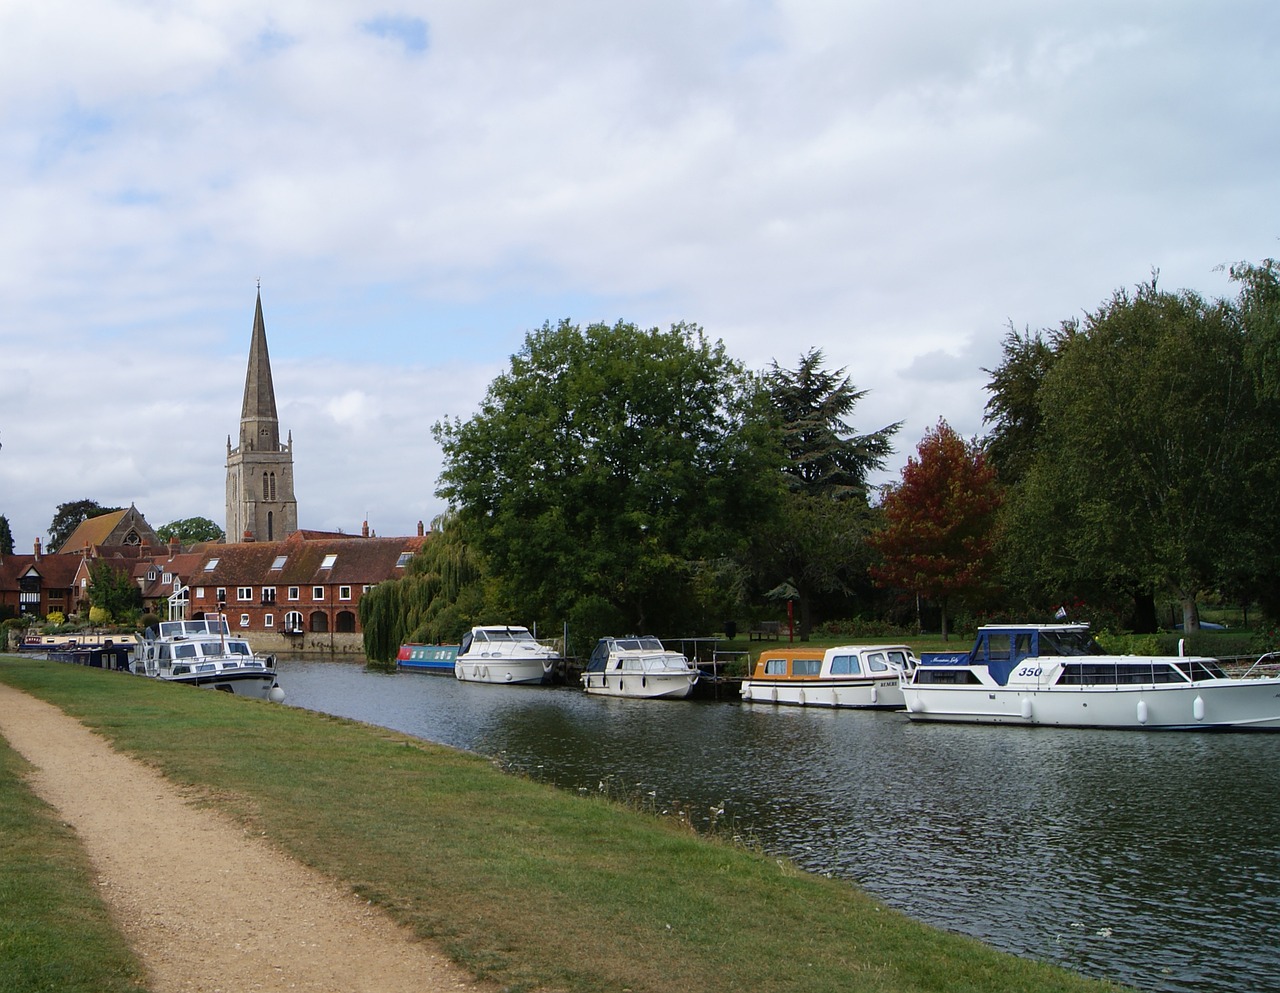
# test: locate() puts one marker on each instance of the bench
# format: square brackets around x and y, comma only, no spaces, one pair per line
[766,629]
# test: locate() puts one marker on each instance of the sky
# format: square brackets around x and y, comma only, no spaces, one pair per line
[419,185]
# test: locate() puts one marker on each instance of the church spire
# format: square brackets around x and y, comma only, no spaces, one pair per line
[259,423]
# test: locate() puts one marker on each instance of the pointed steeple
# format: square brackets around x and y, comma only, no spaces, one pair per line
[259,423]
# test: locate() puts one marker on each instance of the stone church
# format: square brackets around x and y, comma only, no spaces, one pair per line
[260,501]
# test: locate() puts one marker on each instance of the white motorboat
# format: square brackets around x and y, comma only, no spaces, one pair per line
[845,676]
[203,652]
[1056,674]
[638,667]
[503,654]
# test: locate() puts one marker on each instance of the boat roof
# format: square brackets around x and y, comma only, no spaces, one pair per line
[1078,626]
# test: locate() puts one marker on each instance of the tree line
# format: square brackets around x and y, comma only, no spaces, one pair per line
[620,479]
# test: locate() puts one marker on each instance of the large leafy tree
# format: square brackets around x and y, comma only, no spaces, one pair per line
[1146,471]
[817,544]
[6,536]
[614,462]
[191,530]
[112,591]
[938,534]
[69,516]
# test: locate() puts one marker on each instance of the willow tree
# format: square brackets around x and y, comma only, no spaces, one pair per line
[437,599]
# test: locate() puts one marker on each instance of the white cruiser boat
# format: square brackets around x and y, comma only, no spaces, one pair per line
[203,652]
[846,676]
[1056,674]
[638,667]
[503,654]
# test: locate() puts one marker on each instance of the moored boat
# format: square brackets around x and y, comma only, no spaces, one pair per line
[203,652]
[1056,674]
[503,654]
[638,667]
[864,676]
[437,659]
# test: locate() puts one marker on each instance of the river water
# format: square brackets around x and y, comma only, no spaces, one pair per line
[1149,858]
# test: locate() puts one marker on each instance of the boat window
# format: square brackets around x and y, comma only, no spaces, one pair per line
[631,664]
[845,665]
[187,651]
[238,648]
[998,647]
[1068,643]
[898,659]
[1198,669]
[805,667]
[1119,673]
[876,662]
[775,667]
[947,677]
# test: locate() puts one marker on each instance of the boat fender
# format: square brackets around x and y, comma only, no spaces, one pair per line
[875,693]
[801,698]
[1197,708]
[644,681]
[1142,711]
[773,694]
[835,697]
[276,695]
[1026,708]
[508,677]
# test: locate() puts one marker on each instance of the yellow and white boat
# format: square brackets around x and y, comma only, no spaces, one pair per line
[846,676]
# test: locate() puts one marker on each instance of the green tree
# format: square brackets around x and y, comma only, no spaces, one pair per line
[938,534]
[1144,474]
[440,596]
[817,543]
[70,516]
[113,591]
[612,461]
[1013,410]
[6,536]
[191,530]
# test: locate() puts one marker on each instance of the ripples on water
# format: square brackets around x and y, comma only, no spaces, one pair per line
[1147,858]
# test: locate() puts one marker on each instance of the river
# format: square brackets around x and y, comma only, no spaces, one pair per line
[1151,859]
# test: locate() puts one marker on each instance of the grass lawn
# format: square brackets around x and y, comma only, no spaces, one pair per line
[526,885]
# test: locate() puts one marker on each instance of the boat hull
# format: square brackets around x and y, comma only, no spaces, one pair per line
[867,694]
[1233,704]
[255,685]
[647,686]
[502,670]
[436,659]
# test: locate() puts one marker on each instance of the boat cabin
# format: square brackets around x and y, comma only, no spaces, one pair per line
[814,663]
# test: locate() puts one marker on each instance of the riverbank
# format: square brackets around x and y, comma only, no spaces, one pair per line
[522,884]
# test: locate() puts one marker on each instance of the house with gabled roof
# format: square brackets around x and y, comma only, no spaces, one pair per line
[118,529]
[38,584]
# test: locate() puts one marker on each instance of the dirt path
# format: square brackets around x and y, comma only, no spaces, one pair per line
[208,907]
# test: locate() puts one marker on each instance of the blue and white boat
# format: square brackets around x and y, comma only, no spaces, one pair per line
[436,659]
[1056,674]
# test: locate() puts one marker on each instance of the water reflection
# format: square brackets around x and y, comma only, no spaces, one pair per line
[1145,858]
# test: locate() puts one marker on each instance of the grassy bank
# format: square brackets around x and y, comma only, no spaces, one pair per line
[55,933]
[532,887]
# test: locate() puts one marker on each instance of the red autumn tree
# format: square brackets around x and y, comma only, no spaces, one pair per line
[938,535]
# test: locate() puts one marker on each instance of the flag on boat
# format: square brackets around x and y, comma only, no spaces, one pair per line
[1061,614]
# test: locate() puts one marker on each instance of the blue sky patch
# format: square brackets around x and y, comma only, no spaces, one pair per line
[409,31]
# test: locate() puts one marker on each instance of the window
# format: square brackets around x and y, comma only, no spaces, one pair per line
[268,594]
[168,579]
[876,662]
[279,562]
[222,594]
[317,593]
[403,560]
[211,565]
[199,592]
[775,667]
[244,592]
[244,620]
[344,592]
[329,559]
[806,667]
[269,621]
[845,665]
[293,622]
[293,593]
[151,575]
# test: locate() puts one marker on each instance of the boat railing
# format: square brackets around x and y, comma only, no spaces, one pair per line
[1240,667]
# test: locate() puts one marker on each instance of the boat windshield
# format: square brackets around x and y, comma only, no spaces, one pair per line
[666,662]
[1068,643]
[504,635]
[639,644]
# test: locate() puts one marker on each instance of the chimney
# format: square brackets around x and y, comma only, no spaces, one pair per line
[420,529]
[248,535]
[364,530]
[174,547]
[37,549]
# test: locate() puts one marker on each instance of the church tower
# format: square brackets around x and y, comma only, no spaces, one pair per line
[260,501]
